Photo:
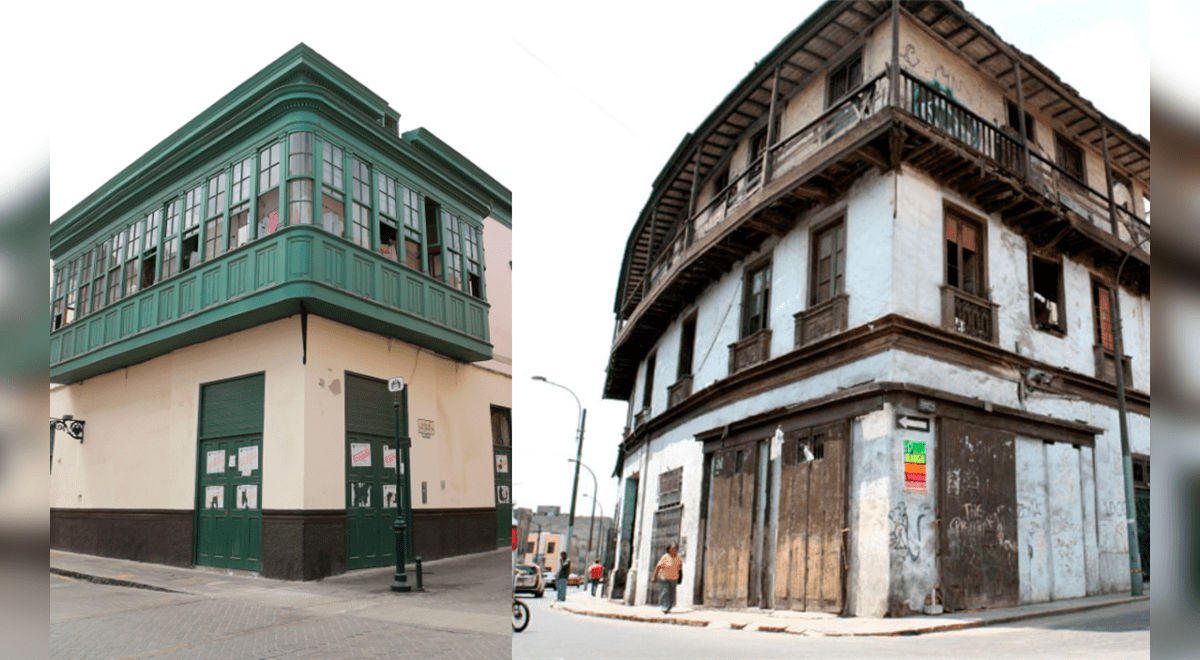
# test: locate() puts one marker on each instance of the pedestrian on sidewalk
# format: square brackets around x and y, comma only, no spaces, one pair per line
[564,571]
[594,574]
[668,573]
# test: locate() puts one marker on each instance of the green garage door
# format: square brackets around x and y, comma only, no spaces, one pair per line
[371,461]
[229,475]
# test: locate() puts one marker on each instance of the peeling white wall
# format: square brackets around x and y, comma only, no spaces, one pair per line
[869,544]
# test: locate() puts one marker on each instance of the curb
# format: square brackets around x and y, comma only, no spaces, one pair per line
[113,582]
[700,623]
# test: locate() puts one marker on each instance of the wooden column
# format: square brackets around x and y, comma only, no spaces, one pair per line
[1112,203]
[1025,162]
[770,128]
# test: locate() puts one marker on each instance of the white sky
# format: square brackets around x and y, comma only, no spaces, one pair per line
[575,107]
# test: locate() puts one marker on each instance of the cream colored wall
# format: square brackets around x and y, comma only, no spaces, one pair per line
[139,447]
[456,396]
[497,255]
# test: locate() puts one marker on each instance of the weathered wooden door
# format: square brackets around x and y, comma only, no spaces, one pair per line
[733,482]
[229,475]
[977,537]
[810,549]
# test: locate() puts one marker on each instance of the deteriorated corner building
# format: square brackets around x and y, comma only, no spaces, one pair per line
[866,329]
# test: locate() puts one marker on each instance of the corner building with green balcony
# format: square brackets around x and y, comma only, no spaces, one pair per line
[225,315]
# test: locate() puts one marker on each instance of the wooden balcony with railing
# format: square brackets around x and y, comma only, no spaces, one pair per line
[875,126]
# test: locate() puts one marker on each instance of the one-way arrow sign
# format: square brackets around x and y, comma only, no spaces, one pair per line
[913,423]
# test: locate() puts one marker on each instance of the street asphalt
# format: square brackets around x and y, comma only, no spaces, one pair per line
[105,608]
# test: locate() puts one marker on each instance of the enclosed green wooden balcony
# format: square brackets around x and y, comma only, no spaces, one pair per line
[296,269]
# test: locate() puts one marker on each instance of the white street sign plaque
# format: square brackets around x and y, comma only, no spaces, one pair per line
[395,384]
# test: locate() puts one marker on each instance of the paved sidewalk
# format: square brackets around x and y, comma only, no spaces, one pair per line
[820,624]
[465,593]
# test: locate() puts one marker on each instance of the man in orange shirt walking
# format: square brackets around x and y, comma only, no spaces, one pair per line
[668,573]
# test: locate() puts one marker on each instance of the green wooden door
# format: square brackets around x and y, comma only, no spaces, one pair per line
[502,459]
[371,461]
[229,475]
[370,501]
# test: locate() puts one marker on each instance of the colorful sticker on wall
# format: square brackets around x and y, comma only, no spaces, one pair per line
[214,496]
[216,462]
[389,496]
[360,454]
[247,459]
[247,496]
[914,466]
[502,463]
[389,458]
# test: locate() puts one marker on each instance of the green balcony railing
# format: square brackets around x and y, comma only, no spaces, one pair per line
[299,267]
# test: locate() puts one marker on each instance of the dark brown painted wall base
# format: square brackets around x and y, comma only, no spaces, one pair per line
[297,545]
[159,536]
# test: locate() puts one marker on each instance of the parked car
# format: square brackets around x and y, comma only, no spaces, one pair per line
[574,581]
[528,580]
[548,578]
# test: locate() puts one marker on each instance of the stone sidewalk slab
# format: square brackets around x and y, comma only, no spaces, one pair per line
[830,625]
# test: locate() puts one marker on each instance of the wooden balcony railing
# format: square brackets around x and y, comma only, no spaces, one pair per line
[679,391]
[822,320]
[969,315]
[751,350]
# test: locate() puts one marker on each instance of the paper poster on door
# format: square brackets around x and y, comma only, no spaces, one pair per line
[360,495]
[247,496]
[914,466]
[247,459]
[502,463]
[216,462]
[389,458]
[389,496]
[360,454]
[214,496]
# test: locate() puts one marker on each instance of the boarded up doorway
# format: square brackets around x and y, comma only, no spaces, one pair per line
[977,537]
[810,550]
[732,509]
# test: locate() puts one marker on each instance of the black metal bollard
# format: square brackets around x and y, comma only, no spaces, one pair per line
[420,581]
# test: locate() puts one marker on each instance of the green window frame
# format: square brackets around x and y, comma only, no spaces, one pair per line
[300,179]
[115,245]
[433,249]
[333,199]
[170,240]
[149,268]
[60,284]
[239,204]
[454,264]
[412,228]
[389,236]
[472,251]
[360,189]
[85,282]
[214,243]
[756,301]
[270,170]
[190,243]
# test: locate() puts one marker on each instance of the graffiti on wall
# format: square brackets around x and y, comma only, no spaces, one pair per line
[906,533]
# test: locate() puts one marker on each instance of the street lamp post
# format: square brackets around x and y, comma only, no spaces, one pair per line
[592,523]
[402,526]
[603,538]
[578,454]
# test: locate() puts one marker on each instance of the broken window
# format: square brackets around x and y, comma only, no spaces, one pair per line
[756,298]
[648,383]
[844,79]
[389,245]
[964,255]
[1070,158]
[829,262]
[720,183]
[687,346]
[1046,283]
[758,144]
[433,211]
